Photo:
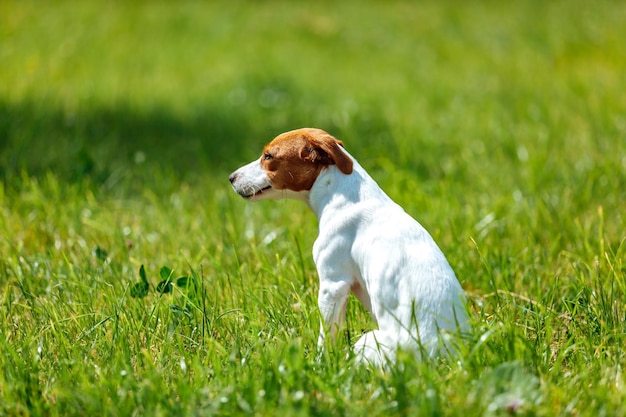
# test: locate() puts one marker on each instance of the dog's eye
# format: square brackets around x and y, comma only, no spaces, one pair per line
[267,156]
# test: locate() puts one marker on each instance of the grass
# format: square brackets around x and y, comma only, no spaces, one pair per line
[500,126]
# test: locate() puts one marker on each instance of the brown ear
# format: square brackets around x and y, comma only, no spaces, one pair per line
[331,147]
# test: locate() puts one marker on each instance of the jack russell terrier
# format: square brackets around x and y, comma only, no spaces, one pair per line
[367,245]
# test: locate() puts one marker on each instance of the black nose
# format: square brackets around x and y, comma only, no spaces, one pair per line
[232,177]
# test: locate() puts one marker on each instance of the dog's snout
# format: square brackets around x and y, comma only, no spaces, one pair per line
[232,177]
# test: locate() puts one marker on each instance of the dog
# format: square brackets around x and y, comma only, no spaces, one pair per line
[367,245]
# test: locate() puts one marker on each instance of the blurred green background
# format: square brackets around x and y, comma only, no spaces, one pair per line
[443,89]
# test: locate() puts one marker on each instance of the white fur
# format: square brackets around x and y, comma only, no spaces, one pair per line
[369,245]
[251,182]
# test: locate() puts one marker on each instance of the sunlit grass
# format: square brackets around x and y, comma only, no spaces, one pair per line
[499,126]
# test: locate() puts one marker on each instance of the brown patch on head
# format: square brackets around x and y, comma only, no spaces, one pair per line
[293,160]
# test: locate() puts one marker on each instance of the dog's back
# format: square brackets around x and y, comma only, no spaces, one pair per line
[413,292]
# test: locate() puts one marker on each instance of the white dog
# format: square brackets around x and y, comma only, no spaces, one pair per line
[367,244]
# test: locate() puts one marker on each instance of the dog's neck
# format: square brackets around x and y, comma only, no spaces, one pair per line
[333,190]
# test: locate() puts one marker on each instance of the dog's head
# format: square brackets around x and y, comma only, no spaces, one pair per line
[289,165]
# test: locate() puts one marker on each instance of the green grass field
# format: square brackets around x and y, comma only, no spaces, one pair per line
[500,126]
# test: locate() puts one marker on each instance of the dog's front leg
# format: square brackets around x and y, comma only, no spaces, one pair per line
[332,300]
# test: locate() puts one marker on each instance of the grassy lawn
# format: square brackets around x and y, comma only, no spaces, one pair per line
[500,126]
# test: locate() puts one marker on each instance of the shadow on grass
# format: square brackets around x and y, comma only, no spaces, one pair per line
[97,141]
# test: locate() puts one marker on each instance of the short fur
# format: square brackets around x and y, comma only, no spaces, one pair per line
[367,245]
